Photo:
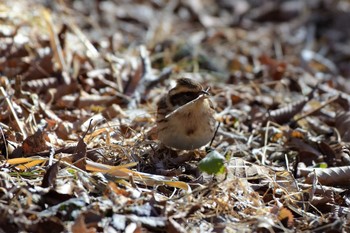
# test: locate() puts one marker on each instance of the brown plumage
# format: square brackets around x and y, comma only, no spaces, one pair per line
[185,116]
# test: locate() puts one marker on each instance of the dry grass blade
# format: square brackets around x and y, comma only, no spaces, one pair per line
[99,167]
[33,163]
[177,184]
[334,98]
[25,160]
[55,45]
[92,51]
[125,173]
[19,123]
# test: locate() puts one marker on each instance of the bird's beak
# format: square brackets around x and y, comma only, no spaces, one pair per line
[205,92]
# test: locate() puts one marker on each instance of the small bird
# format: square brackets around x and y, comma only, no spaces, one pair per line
[185,116]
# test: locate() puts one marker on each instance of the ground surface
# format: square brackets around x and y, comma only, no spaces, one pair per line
[79,85]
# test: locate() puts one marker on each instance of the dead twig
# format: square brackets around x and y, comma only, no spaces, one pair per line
[19,123]
[316,109]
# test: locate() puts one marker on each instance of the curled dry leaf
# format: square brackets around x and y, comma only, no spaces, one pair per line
[285,114]
[308,151]
[342,123]
[329,153]
[50,175]
[328,176]
[344,154]
[318,126]
[41,84]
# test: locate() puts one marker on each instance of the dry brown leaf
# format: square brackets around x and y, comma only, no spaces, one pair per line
[286,113]
[26,163]
[50,176]
[276,68]
[55,45]
[342,123]
[328,176]
[35,143]
[244,169]
[308,153]
[174,227]
[285,215]
[328,152]
[79,157]
[79,226]
[21,160]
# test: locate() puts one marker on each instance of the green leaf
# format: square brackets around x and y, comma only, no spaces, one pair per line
[213,163]
[322,165]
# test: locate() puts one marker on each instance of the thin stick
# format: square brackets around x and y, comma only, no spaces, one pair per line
[316,109]
[19,123]
[216,132]
[5,143]
[263,156]
[56,47]
[186,105]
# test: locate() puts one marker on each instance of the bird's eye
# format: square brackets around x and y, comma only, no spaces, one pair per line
[183,98]
[190,95]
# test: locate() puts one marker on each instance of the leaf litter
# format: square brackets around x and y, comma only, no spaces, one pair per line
[79,83]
